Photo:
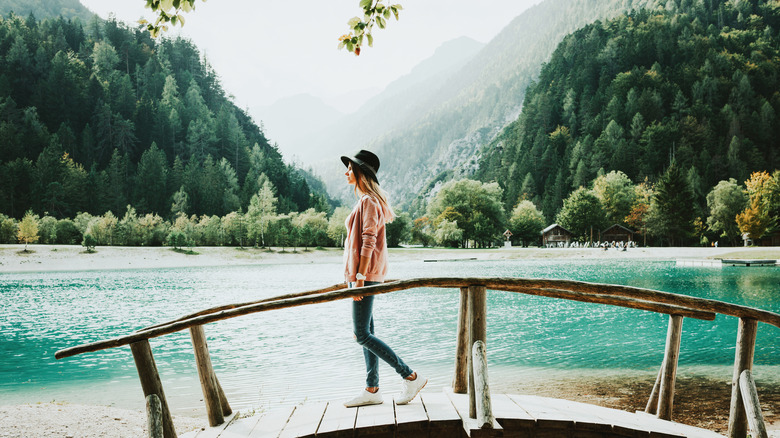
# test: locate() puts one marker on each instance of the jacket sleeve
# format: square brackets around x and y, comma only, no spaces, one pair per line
[370,220]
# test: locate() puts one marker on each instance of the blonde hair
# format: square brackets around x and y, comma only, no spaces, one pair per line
[367,186]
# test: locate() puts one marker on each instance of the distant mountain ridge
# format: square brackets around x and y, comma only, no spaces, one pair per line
[475,103]
[68,9]
[395,105]
[291,122]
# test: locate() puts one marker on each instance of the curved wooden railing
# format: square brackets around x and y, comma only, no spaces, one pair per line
[471,366]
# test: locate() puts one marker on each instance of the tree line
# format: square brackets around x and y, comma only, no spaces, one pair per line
[94,118]
[462,213]
[691,82]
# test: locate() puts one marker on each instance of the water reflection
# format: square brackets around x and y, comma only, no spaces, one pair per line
[288,355]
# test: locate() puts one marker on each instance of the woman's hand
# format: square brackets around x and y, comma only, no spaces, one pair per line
[358,283]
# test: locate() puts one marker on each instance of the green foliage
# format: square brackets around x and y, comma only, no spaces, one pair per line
[761,217]
[47,230]
[67,232]
[93,120]
[262,207]
[67,9]
[399,230]
[336,228]
[422,231]
[89,242]
[168,11]
[582,214]
[695,84]
[526,222]
[448,234]
[28,229]
[725,201]
[477,207]
[8,229]
[177,239]
[360,28]
[617,194]
[670,217]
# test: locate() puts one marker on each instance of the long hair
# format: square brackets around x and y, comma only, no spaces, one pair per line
[367,186]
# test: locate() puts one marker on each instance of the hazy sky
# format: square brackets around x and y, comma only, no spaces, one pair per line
[264,50]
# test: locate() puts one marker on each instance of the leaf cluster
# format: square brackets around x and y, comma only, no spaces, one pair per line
[168,11]
[360,28]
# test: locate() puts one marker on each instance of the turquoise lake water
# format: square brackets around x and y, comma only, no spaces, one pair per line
[287,356]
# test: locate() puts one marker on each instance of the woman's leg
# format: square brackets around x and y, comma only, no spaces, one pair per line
[373,347]
[363,323]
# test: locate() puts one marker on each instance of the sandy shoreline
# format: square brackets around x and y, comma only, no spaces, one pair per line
[700,401]
[48,258]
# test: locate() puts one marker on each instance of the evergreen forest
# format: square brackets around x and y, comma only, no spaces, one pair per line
[695,83]
[97,117]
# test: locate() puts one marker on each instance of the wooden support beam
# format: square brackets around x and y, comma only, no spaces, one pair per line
[226,409]
[460,380]
[743,360]
[154,416]
[484,415]
[150,382]
[669,369]
[652,403]
[477,332]
[208,381]
[755,418]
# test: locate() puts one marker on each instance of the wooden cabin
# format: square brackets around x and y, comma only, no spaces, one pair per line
[617,233]
[555,234]
[769,240]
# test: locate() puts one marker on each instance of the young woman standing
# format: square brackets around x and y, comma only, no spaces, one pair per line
[365,264]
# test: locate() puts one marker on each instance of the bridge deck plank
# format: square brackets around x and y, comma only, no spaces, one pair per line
[445,414]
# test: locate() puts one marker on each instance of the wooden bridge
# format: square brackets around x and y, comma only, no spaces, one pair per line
[469,408]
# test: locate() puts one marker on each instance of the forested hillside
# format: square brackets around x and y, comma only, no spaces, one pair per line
[95,118]
[695,82]
[443,138]
[68,9]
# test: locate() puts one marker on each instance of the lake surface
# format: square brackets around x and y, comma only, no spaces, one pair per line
[308,353]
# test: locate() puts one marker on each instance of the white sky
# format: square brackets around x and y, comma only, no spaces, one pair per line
[264,50]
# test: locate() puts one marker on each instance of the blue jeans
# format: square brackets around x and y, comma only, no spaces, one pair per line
[373,347]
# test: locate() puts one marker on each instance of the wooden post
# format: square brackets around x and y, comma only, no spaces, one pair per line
[755,419]
[669,369]
[154,416]
[481,388]
[652,403]
[150,382]
[477,332]
[743,360]
[207,379]
[226,409]
[460,380]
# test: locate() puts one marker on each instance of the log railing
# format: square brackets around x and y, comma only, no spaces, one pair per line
[471,363]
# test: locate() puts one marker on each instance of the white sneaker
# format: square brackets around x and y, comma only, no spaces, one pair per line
[365,398]
[411,389]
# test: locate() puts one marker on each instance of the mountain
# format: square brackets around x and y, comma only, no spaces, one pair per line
[695,85]
[292,121]
[95,118]
[68,9]
[400,103]
[438,135]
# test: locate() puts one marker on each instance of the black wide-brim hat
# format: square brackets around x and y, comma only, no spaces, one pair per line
[367,161]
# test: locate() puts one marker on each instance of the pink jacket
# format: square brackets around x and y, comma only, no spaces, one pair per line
[366,237]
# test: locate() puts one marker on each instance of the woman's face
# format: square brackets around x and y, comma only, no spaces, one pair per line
[350,175]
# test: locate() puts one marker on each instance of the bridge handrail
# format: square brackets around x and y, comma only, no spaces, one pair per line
[625,296]
[471,330]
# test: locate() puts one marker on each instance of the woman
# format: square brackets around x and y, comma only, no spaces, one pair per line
[365,256]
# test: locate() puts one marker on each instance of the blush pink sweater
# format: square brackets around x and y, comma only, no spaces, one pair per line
[366,237]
